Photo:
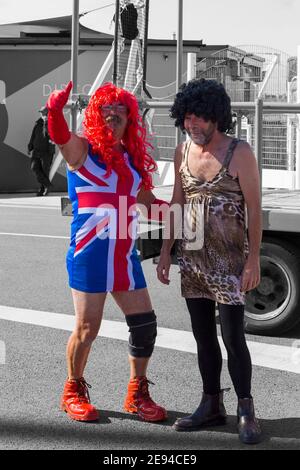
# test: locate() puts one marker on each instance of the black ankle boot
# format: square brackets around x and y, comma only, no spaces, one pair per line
[248,426]
[210,412]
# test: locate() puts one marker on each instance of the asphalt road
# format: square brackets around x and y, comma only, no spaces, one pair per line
[33,277]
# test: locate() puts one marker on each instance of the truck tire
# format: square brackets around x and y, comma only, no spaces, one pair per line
[273,307]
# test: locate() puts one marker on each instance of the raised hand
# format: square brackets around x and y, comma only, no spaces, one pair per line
[57,127]
[58,98]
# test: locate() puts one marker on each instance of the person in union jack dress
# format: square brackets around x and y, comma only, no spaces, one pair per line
[109,171]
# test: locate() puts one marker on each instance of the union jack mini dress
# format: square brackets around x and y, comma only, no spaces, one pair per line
[102,256]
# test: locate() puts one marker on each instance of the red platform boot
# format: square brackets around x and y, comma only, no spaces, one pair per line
[139,401]
[76,403]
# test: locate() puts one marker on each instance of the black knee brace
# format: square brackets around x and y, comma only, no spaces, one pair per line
[143,331]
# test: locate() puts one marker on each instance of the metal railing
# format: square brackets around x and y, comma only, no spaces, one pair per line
[273,132]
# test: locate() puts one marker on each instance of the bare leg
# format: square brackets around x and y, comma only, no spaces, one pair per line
[138,399]
[138,366]
[89,312]
[132,302]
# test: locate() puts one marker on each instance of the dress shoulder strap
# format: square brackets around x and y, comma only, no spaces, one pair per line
[186,151]
[229,153]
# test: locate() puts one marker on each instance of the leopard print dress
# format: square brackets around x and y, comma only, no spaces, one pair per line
[214,271]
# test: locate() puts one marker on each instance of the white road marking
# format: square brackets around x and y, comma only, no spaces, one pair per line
[33,235]
[49,202]
[263,354]
[23,206]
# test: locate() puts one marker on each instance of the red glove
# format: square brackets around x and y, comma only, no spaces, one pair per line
[158,210]
[57,127]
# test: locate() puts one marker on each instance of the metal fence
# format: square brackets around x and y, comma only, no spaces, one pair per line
[271,129]
[278,138]
[279,134]
[247,72]
[164,130]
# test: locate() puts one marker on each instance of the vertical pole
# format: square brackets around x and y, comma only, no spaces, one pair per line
[297,176]
[146,49]
[74,59]
[239,124]
[191,72]
[289,140]
[191,66]
[179,57]
[116,42]
[259,135]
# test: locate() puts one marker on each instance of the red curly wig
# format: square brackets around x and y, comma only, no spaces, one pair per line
[134,140]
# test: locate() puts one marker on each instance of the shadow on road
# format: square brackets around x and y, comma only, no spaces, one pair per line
[101,435]
[105,416]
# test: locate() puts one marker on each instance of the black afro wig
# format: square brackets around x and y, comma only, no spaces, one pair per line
[204,98]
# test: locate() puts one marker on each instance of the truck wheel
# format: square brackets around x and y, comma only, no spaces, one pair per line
[274,306]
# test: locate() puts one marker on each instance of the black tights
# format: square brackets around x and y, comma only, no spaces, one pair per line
[203,319]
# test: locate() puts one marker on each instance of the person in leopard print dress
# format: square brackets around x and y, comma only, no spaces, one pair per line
[216,176]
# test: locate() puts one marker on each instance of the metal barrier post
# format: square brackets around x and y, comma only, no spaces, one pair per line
[191,65]
[239,124]
[258,135]
[289,131]
[297,166]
